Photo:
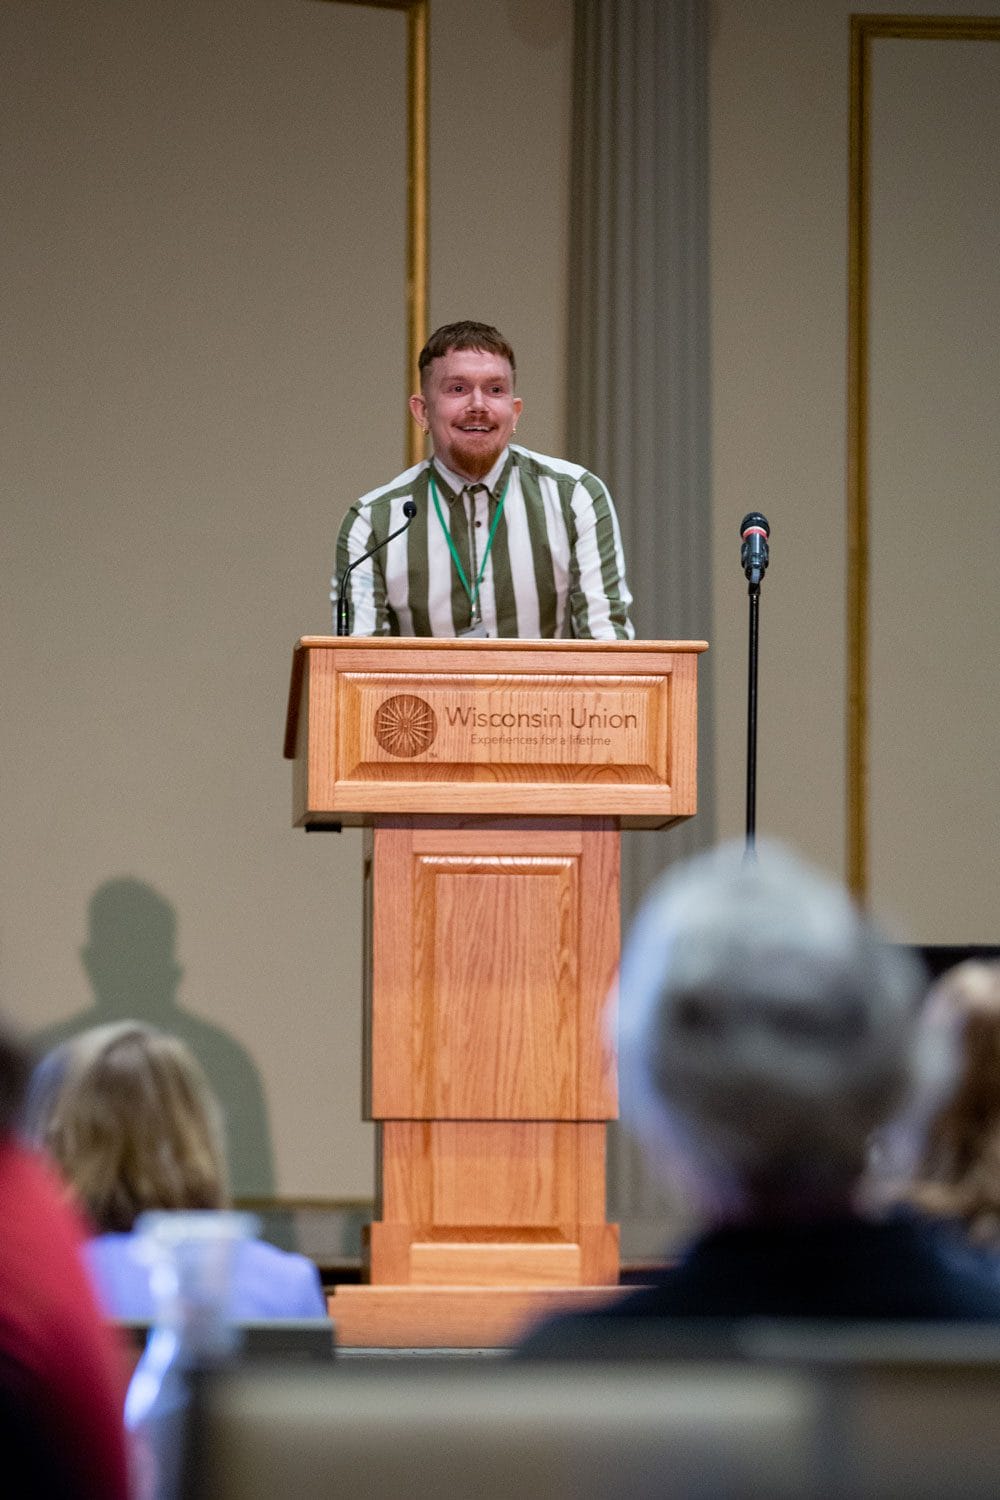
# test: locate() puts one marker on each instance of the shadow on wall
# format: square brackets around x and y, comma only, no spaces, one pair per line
[131,963]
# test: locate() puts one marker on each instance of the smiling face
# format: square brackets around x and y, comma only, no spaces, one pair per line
[467,403]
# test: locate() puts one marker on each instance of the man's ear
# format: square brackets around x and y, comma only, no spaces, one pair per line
[418,410]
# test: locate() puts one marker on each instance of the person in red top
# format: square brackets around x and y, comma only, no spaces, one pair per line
[63,1373]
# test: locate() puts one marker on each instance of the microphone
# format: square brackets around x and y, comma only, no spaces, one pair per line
[343,600]
[754,532]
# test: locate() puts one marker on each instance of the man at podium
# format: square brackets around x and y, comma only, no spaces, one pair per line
[484,538]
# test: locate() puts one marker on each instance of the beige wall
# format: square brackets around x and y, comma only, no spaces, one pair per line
[205,365]
[778,172]
[779,197]
[934,492]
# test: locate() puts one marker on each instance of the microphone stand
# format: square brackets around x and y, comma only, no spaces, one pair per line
[751,831]
[343,607]
[343,601]
[754,532]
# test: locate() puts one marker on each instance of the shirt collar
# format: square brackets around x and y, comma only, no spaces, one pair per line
[455,485]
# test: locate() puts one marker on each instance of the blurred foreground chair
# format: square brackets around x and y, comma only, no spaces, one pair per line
[779,1411]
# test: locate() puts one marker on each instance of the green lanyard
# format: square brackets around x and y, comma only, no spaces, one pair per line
[472,593]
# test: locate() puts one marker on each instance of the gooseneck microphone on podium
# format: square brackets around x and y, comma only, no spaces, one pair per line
[754,556]
[343,599]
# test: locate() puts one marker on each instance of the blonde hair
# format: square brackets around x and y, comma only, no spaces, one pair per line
[127,1114]
[958,1175]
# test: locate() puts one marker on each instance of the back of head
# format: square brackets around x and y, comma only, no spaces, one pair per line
[128,1116]
[466,335]
[959,1174]
[766,1029]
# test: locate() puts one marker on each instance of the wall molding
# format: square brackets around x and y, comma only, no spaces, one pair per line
[418,189]
[866,30]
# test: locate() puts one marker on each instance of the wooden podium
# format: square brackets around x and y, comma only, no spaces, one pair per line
[493,778]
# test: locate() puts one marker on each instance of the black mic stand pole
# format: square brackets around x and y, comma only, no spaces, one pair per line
[751,833]
[754,532]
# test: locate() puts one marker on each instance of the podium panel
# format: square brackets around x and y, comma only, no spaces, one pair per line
[494,778]
[493,950]
[493,1203]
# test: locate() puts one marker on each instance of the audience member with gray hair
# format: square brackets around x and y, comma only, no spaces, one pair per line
[766,1030]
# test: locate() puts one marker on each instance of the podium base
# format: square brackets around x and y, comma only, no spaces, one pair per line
[450,1317]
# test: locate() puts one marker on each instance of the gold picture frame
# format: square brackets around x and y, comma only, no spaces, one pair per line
[865,31]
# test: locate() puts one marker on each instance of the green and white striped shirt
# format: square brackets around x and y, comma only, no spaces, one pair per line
[555,567]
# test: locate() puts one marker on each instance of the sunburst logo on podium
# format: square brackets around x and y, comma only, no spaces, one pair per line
[405,725]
